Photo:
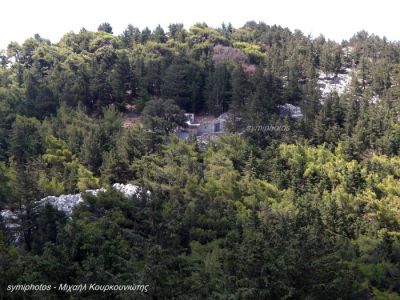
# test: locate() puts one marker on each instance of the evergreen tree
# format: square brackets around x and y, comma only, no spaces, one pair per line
[106,27]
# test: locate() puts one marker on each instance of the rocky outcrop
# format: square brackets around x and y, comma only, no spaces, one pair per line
[328,83]
[290,110]
[66,203]
[10,218]
[127,189]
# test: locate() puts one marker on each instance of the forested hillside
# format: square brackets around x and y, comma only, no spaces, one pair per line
[309,212]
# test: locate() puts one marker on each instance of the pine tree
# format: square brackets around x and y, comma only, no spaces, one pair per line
[219,90]
[159,35]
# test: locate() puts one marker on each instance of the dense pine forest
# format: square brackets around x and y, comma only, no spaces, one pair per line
[310,212]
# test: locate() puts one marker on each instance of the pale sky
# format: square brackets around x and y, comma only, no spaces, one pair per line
[336,19]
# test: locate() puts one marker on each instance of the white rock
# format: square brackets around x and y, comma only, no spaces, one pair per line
[66,203]
[290,109]
[375,99]
[328,83]
[10,218]
[127,189]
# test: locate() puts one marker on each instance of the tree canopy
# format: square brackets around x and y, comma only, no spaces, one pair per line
[311,212]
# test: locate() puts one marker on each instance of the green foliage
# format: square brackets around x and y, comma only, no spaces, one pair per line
[162,116]
[4,188]
[309,213]
[64,172]
[252,51]
[25,139]
[106,27]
